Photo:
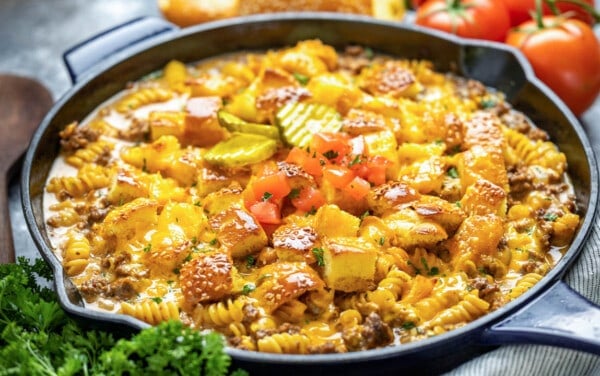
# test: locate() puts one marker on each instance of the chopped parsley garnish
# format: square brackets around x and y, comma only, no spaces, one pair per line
[156,300]
[294,193]
[312,211]
[250,261]
[302,79]
[266,196]
[357,159]
[382,240]
[365,215]
[148,247]
[369,54]
[213,242]
[318,252]
[487,103]
[330,154]
[430,271]
[248,288]
[453,172]
[550,217]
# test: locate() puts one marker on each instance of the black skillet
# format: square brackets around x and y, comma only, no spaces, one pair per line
[550,313]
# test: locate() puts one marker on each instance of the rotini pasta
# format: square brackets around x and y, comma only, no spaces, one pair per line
[307,200]
[153,312]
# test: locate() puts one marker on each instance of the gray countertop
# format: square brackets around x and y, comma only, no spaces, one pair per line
[35,33]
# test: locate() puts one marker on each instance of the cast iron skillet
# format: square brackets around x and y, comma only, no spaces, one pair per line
[550,313]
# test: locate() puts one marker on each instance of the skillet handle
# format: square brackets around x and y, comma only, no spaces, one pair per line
[558,317]
[80,58]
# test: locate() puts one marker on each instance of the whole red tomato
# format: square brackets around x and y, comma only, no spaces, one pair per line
[519,10]
[480,19]
[416,3]
[565,55]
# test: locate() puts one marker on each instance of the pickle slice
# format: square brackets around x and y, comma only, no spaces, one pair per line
[299,121]
[235,124]
[241,149]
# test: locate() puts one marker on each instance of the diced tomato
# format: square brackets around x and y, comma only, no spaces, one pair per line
[309,199]
[358,188]
[296,156]
[331,145]
[266,212]
[377,166]
[338,176]
[274,186]
[311,163]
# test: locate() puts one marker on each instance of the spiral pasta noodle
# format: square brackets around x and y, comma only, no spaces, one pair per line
[284,343]
[151,311]
[76,253]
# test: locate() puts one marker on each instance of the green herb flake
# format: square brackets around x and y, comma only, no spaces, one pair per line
[369,54]
[550,217]
[487,103]
[147,248]
[213,242]
[318,252]
[156,300]
[330,154]
[365,215]
[250,261]
[452,172]
[266,196]
[408,325]
[294,193]
[301,78]
[248,288]
[357,159]
[382,240]
[312,211]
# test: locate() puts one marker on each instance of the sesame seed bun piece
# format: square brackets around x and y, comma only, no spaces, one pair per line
[190,12]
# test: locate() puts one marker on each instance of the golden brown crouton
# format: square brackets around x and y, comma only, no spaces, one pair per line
[410,229]
[349,263]
[389,195]
[239,232]
[207,277]
[483,198]
[331,221]
[201,127]
[281,282]
[295,243]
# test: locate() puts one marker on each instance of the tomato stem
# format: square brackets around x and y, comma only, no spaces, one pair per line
[538,15]
[585,6]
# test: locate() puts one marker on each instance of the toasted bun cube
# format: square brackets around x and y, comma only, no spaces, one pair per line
[349,263]
[201,126]
[207,277]
[282,282]
[239,232]
[331,221]
[295,243]
[483,198]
